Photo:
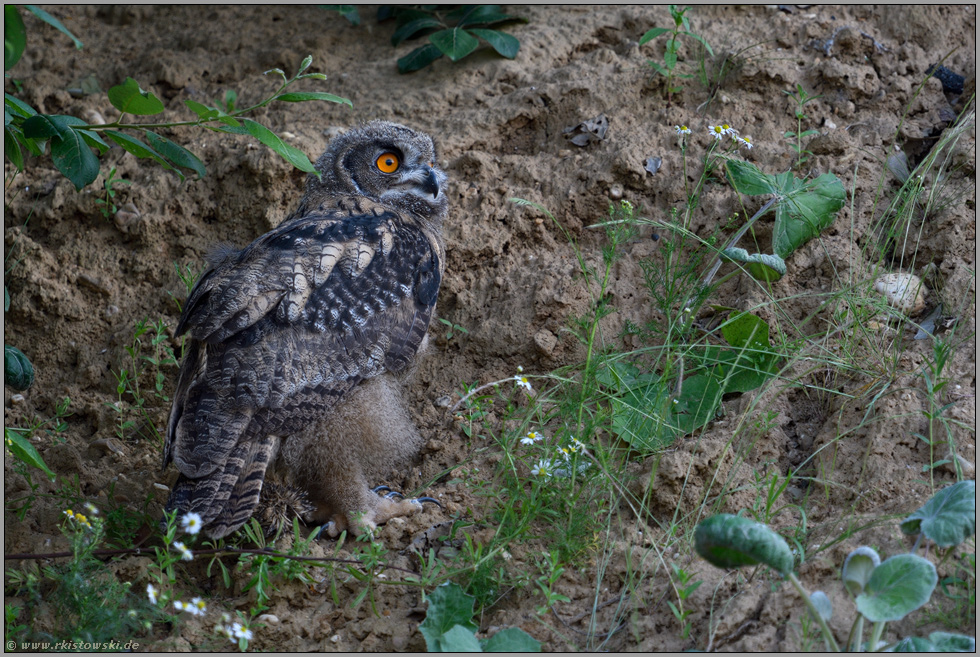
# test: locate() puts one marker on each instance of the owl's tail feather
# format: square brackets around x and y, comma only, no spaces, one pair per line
[225,499]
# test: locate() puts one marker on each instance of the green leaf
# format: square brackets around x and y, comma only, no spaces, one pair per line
[18,373]
[505,44]
[912,644]
[130,98]
[301,96]
[761,266]
[411,29]
[11,148]
[858,567]
[6,299]
[653,34]
[70,153]
[455,43]
[805,212]
[203,111]
[289,153]
[138,148]
[22,449]
[822,604]
[947,642]
[18,107]
[696,405]
[459,639]
[949,517]
[176,153]
[53,22]
[14,36]
[670,58]
[483,15]
[897,587]
[511,639]
[419,58]
[747,179]
[729,541]
[449,607]
[347,11]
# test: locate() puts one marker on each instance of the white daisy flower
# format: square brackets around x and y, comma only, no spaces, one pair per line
[522,382]
[682,130]
[191,523]
[198,607]
[151,593]
[542,468]
[745,141]
[717,131]
[531,438]
[185,554]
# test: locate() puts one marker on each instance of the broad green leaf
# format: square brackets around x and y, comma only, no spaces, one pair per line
[203,111]
[637,417]
[745,330]
[696,405]
[805,212]
[449,606]
[822,604]
[139,149]
[22,449]
[130,98]
[349,12]
[912,644]
[289,153]
[511,639]
[658,68]
[670,58]
[301,96]
[419,58]
[897,587]
[412,28]
[459,639]
[17,106]
[505,44]
[729,541]
[858,567]
[949,517]
[454,43]
[14,36]
[55,23]
[73,157]
[747,179]
[947,642]
[176,153]
[6,299]
[45,126]
[761,266]
[482,15]
[11,148]
[653,34]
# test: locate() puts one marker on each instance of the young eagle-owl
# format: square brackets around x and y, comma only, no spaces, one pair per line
[294,342]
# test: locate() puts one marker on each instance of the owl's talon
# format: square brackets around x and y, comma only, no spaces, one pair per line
[393,495]
[378,489]
[326,529]
[420,500]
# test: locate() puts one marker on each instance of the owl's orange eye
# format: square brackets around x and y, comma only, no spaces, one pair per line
[387,162]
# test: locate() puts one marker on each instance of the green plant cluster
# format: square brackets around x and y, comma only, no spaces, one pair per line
[882,591]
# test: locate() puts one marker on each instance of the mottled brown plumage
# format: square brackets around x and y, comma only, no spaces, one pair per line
[294,342]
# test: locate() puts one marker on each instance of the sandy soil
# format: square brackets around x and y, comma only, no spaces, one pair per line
[79,283]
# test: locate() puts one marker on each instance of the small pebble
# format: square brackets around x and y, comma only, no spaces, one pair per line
[335,638]
[93,117]
[902,291]
[161,487]
[288,135]
[16,399]
[830,125]
[127,217]
[270,619]
[616,192]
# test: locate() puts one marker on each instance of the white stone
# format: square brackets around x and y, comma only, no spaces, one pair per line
[902,291]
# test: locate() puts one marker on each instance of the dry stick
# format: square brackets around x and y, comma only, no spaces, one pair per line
[481,388]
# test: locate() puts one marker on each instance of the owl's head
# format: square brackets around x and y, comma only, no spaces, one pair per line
[386,162]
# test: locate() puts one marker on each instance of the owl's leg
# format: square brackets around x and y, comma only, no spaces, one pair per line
[354,507]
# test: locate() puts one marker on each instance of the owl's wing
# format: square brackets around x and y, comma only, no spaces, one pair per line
[278,333]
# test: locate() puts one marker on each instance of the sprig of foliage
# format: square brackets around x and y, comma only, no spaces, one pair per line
[682,27]
[455,34]
[796,138]
[70,140]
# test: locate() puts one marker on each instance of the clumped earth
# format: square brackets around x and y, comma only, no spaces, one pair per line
[79,282]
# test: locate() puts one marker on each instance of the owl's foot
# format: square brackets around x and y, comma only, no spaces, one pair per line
[384,508]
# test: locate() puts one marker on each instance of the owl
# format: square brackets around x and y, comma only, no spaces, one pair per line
[297,345]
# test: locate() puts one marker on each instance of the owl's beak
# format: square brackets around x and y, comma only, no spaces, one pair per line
[431,182]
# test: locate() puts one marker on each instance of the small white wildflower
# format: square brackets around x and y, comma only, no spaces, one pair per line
[745,141]
[682,129]
[563,452]
[185,554]
[199,608]
[69,513]
[191,523]
[717,132]
[578,443]
[522,382]
[729,130]
[181,606]
[677,401]
[519,369]
[151,593]
[531,438]
[542,468]
[91,508]
[132,613]
[240,631]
